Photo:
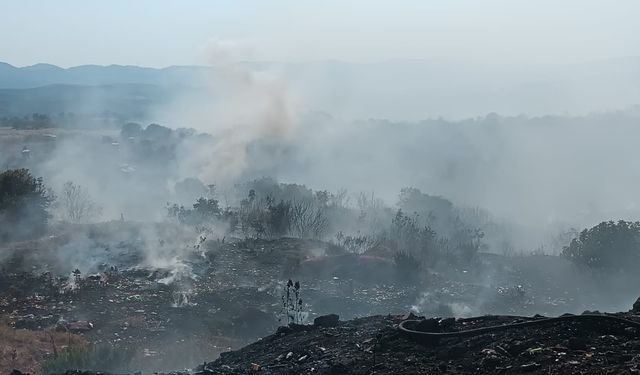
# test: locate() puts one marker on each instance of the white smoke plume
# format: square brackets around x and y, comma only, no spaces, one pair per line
[240,106]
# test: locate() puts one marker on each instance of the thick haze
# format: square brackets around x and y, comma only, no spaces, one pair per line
[516,123]
[286,88]
[152,33]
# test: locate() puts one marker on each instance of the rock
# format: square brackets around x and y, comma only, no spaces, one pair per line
[636,307]
[330,320]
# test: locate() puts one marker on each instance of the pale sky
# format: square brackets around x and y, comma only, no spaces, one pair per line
[161,33]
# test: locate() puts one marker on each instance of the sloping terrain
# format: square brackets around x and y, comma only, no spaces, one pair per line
[374,345]
[219,295]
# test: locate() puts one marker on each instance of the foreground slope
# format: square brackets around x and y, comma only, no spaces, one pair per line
[375,345]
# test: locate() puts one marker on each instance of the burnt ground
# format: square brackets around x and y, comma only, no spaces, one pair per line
[215,298]
[373,345]
[219,295]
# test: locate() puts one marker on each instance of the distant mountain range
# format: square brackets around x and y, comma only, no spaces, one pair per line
[12,77]
[397,89]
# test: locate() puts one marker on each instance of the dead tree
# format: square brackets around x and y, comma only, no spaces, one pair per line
[307,219]
[76,205]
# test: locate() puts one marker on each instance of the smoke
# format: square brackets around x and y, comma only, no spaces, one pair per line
[238,106]
[294,122]
[255,107]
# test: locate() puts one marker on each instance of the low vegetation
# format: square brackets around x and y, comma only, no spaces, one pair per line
[30,351]
[101,358]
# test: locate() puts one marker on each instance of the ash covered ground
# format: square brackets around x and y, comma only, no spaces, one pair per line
[129,248]
[218,294]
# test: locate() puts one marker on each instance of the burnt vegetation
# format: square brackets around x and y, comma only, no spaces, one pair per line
[214,269]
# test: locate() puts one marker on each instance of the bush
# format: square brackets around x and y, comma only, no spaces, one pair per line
[103,358]
[253,215]
[204,211]
[408,236]
[279,219]
[608,245]
[356,244]
[24,201]
[407,267]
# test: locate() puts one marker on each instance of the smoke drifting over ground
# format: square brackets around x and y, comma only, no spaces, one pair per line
[541,174]
[172,214]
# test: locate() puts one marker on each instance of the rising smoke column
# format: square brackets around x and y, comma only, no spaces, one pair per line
[241,106]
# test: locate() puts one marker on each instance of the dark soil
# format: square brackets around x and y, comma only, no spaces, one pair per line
[373,345]
[232,296]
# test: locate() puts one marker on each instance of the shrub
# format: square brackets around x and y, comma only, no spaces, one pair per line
[103,357]
[407,267]
[408,236]
[204,211]
[356,244]
[24,201]
[279,219]
[608,245]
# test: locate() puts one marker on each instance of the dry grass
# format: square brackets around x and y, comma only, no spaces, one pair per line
[26,350]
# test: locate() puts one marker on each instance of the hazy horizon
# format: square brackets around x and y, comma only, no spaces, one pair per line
[336,61]
[495,31]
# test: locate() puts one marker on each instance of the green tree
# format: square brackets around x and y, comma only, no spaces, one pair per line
[24,201]
[608,245]
[131,130]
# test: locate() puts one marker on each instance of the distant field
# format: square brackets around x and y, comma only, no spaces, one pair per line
[39,143]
